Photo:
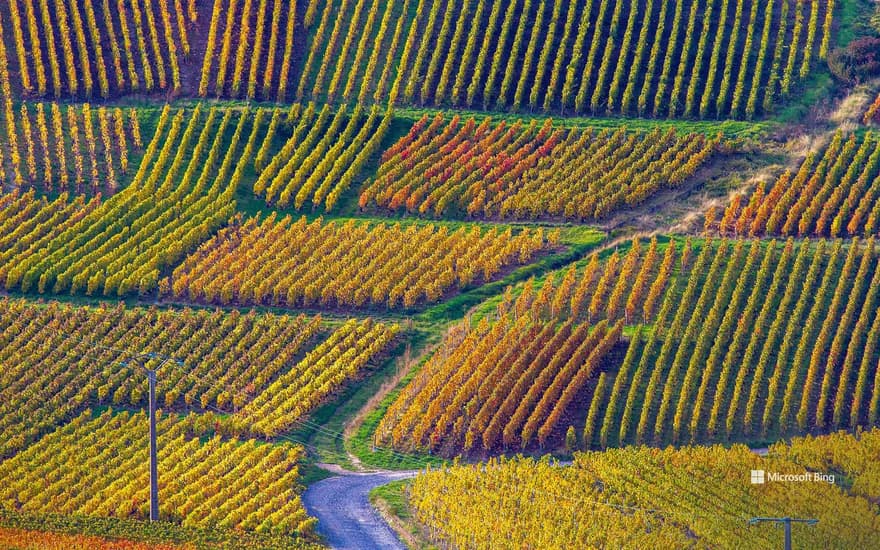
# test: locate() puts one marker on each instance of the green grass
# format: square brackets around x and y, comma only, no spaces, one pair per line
[361,443]
[394,494]
[851,21]
[818,87]
[309,474]
[729,128]
[394,500]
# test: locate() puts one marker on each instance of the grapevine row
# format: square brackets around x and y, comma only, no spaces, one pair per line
[97,48]
[642,498]
[835,193]
[344,264]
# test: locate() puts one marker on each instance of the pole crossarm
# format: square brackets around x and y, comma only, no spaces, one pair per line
[755,521]
[786,523]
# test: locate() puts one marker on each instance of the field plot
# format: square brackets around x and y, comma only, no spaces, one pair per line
[642,498]
[346,264]
[754,342]
[48,374]
[505,386]
[181,193]
[96,465]
[835,192]
[58,359]
[76,149]
[747,341]
[511,384]
[322,157]
[337,360]
[856,456]
[390,233]
[526,171]
[90,48]
[693,58]
[40,540]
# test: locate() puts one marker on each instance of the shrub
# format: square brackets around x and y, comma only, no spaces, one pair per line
[856,62]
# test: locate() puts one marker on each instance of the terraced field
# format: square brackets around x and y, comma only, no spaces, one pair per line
[637,236]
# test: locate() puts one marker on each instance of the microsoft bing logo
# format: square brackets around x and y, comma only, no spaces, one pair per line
[757,477]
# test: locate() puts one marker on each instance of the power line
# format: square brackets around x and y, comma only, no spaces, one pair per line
[211,382]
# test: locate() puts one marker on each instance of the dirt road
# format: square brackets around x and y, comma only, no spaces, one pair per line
[346,518]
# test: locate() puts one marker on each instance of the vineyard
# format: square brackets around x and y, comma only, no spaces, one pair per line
[36,531]
[511,384]
[51,541]
[468,399]
[517,172]
[694,59]
[735,350]
[20,538]
[538,274]
[61,374]
[834,193]
[852,455]
[171,205]
[80,151]
[642,497]
[722,362]
[249,363]
[346,264]
[256,61]
[253,487]
[323,156]
[97,47]
[293,394]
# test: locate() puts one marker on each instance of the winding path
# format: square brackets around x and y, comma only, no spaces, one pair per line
[346,518]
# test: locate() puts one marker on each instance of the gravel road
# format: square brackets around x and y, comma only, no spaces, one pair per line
[346,518]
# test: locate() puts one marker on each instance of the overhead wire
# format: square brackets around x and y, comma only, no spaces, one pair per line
[180,364]
[214,383]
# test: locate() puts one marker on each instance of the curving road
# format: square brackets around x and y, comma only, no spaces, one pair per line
[346,518]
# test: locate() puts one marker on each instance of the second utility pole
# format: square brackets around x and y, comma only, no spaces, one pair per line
[786,524]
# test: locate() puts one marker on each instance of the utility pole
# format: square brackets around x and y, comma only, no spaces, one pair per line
[154,467]
[786,524]
[154,458]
